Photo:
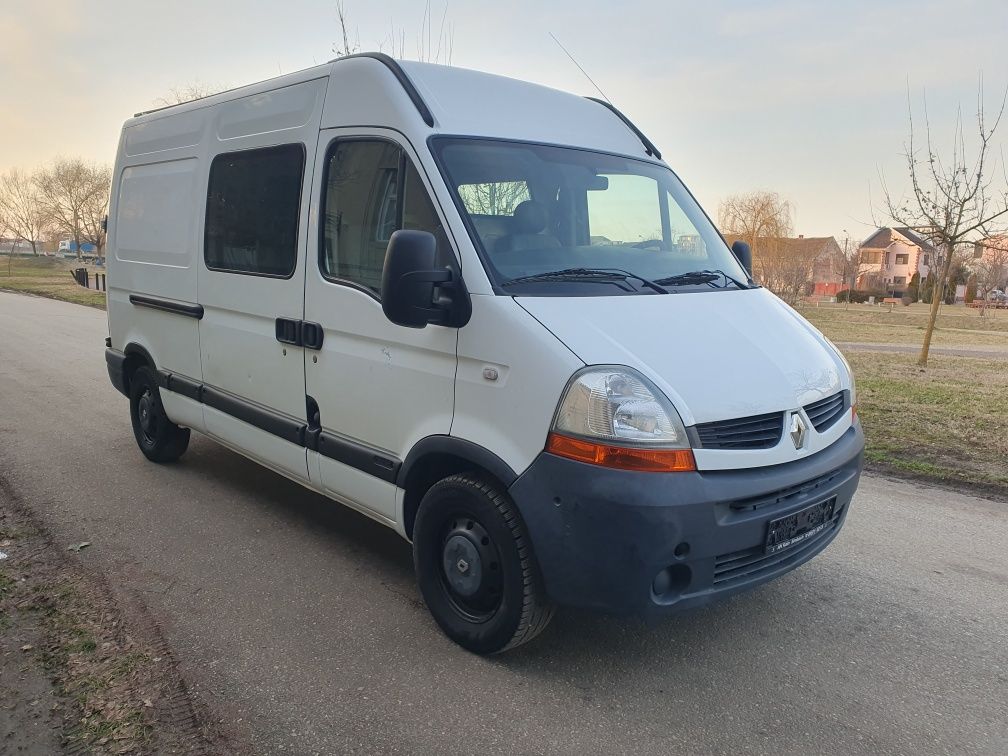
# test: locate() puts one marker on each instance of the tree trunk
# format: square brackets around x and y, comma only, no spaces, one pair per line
[936,301]
[76,231]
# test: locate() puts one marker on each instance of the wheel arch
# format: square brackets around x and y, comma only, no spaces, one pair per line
[436,457]
[136,356]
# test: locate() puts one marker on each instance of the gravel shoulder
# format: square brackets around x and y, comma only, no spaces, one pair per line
[80,670]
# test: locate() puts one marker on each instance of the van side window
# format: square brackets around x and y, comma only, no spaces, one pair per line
[371,190]
[253,207]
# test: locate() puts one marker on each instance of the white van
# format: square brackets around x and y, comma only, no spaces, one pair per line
[486,314]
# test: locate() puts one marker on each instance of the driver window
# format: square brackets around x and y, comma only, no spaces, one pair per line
[371,190]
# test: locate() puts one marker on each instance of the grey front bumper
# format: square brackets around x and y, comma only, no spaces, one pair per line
[603,536]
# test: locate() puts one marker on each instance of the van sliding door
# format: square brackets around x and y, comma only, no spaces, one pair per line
[251,278]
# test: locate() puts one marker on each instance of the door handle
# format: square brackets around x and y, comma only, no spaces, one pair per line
[299,333]
[288,331]
[312,334]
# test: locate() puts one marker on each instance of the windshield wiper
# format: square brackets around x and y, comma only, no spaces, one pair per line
[587,274]
[700,277]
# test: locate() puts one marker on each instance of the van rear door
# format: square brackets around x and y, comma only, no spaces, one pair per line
[379,387]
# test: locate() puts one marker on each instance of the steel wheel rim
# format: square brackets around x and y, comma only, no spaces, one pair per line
[147,416]
[470,568]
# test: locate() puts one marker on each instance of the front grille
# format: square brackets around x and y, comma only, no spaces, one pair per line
[741,566]
[826,411]
[756,432]
[782,496]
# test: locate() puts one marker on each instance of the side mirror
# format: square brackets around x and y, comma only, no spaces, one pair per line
[414,292]
[743,254]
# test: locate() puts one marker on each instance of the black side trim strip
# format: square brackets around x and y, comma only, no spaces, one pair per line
[393,65]
[271,422]
[359,456]
[179,308]
[648,145]
[178,384]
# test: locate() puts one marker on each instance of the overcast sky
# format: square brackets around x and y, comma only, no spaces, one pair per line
[804,98]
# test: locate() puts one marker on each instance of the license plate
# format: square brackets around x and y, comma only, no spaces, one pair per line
[788,532]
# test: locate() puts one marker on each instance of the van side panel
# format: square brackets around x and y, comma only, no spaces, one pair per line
[152,253]
[509,414]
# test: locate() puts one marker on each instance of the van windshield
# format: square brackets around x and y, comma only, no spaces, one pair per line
[560,221]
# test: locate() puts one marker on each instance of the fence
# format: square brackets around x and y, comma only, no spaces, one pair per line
[83,278]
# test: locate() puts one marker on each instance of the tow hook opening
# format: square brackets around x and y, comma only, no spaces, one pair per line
[670,583]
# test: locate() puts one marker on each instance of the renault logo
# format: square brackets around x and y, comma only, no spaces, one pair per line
[797,430]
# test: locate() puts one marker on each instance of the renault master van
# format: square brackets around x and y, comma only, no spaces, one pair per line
[488,315]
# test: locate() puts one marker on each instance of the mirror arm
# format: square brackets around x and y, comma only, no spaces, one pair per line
[443,304]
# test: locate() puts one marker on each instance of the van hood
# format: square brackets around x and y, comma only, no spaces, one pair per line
[717,355]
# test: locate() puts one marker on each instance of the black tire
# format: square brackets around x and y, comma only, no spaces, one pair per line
[158,437]
[475,566]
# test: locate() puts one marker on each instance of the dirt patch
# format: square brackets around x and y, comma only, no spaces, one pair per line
[80,671]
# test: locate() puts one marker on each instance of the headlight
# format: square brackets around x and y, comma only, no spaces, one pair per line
[615,417]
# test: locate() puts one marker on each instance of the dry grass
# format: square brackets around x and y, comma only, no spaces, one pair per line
[948,422]
[47,277]
[956,325]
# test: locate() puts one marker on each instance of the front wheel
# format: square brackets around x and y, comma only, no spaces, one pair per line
[475,566]
[157,436]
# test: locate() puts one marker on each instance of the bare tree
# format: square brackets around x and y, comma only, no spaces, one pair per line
[344,47]
[499,198]
[954,200]
[3,230]
[990,268]
[430,48]
[754,216]
[70,190]
[784,266]
[193,90]
[762,219]
[96,208]
[23,207]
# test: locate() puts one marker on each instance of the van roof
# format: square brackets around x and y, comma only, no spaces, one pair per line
[458,101]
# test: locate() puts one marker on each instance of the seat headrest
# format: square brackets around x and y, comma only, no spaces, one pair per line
[530,217]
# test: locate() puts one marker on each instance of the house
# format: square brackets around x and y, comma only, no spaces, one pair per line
[990,263]
[891,256]
[813,256]
[827,276]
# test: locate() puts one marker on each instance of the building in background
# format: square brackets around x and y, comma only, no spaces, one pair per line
[891,256]
[824,252]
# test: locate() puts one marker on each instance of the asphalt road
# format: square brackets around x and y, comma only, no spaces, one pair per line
[300,623]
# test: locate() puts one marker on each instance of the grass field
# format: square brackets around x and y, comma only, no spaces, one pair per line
[946,423]
[47,277]
[956,325]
